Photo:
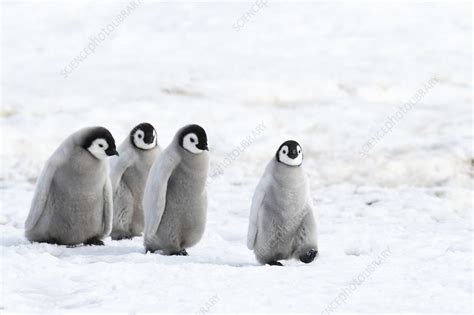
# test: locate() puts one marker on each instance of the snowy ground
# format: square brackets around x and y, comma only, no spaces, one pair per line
[327,75]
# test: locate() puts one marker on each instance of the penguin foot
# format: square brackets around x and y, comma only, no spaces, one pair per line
[94,242]
[122,237]
[53,242]
[182,252]
[275,263]
[149,250]
[308,256]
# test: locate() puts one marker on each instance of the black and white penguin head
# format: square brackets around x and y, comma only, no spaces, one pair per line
[193,138]
[100,143]
[290,153]
[143,136]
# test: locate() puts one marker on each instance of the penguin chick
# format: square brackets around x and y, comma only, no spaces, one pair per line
[72,203]
[128,174]
[281,223]
[175,199]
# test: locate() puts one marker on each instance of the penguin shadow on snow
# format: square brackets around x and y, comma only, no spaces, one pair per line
[111,248]
[135,246]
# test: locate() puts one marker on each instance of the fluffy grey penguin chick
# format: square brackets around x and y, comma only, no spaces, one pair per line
[72,203]
[175,199]
[281,223]
[128,174]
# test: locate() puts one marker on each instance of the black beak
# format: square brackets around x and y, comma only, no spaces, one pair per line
[293,154]
[202,146]
[149,140]
[111,152]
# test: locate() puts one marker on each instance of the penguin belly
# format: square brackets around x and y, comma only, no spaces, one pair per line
[274,238]
[135,180]
[75,215]
[280,219]
[123,211]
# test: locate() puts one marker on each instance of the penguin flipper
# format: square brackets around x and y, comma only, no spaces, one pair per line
[108,207]
[118,166]
[257,204]
[40,197]
[154,199]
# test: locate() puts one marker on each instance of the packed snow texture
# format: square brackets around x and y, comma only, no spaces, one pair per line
[395,224]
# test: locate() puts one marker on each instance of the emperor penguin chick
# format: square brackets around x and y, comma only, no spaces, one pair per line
[72,203]
[128,174]
[175,199]
[281,223]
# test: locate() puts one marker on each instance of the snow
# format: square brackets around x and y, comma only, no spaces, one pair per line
[326,74]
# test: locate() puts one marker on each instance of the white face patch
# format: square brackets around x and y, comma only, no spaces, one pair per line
[139,140]
[98,147]
[285,159]
[190,141]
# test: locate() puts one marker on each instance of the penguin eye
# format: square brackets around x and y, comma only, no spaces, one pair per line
[192,140]
[284,151]
[140,136]
[101,145]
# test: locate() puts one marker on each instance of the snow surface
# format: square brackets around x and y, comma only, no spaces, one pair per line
[327,75]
